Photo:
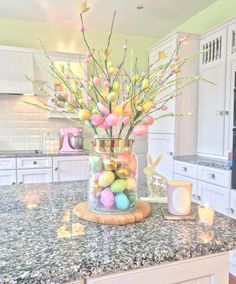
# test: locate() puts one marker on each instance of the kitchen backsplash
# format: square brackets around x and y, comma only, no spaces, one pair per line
[22,126]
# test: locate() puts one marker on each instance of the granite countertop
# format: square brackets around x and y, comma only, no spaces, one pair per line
[38,153]
[43,242]
[204,161]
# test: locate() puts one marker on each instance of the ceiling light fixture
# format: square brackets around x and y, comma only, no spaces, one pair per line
[139,7]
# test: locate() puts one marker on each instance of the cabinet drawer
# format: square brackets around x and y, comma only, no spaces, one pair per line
[34,163]
[215,176]
[186,169]
[7,164]
[34,176]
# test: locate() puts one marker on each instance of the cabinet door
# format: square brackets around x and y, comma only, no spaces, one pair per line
[167,124]
[162,144]
[7,177]
[195,196]
[34,176]
[70,168]
[218,197]
[211,107]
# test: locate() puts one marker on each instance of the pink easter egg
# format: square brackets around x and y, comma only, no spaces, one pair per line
[106,84]
[96,81]
[124,158]
[104,109]
[125,120]
[105,125]
[112,119]
[97,119]
[140,130]
[148,120]
[98,174]
[132,174]
[164,108]
[107,198]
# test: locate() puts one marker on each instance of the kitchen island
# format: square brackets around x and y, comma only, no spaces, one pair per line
[41,241]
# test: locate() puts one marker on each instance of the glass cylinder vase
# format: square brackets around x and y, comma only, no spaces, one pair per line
[112,176]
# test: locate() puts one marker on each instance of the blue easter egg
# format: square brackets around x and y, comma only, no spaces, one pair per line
[96,163]
[121,201]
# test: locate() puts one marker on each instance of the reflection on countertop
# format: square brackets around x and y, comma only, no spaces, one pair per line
[42,241]
[204,161]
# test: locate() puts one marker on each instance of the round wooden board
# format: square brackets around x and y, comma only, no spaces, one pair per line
[142,211]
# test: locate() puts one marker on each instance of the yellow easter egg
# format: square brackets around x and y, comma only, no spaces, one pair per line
[109,64]
[116,87]
[111,70]
[84,114]
[117,110]
[109,164]
[145,84]
[147,106]
[131,183]
[106,178]
[95,111]
[81,101]
[122,172]
[112,97]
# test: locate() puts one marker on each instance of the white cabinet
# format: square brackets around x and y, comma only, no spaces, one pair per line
[34,162]
[216,196]
[183,129]
[7,171]
[162,144]
[34,176]
[7,177]
[211,108]
[70,168]
[195,196]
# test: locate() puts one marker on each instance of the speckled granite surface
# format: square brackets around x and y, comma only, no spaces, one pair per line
[29,154]
[41,241]
[203,161]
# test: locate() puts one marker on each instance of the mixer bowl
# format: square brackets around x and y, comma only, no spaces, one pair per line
[76,142]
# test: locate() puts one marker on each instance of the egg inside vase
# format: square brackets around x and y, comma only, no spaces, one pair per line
[112,187]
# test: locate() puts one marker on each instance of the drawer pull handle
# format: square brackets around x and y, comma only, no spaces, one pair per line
[212,176]
[56,169]
[35,162]
[198,197]
[13,183]
[229,210]
[170,153]
[184,169]
[21,182]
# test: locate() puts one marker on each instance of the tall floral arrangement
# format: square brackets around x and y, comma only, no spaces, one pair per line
[114,101]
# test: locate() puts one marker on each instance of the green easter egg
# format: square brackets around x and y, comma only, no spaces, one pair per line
[131,196]
[106,178]
[121,201]
[119,185]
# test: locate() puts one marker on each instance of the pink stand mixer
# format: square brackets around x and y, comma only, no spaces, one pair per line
[71,139]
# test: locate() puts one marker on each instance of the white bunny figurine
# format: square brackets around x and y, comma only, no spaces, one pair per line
[156,183]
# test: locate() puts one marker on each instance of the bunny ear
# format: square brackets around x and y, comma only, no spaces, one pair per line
[158,160]
[149,159]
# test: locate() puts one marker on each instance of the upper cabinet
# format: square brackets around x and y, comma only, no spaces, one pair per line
[215,106]
[211,110]
[184,128]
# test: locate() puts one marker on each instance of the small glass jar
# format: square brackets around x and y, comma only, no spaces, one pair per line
[112,186]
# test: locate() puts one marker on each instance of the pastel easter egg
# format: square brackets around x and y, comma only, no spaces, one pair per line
[119,185]
[93,201]
[104,109]
[107,198]
[131,183]
[164,108]
[145,84]
[147,106]
[84,114]
[105,125]
[112,119]
[116,87]
[106,84]
[109,164]
[140,130]
[117,110]
[123,158]
[132,164]
[132,174]
[96,81]
[97,119]
[97,175]
[122,201]
[112,97]
[122,172]
[111,70]
[131,196]
[96,163]
[148,120]
[106,178]
[125,120]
